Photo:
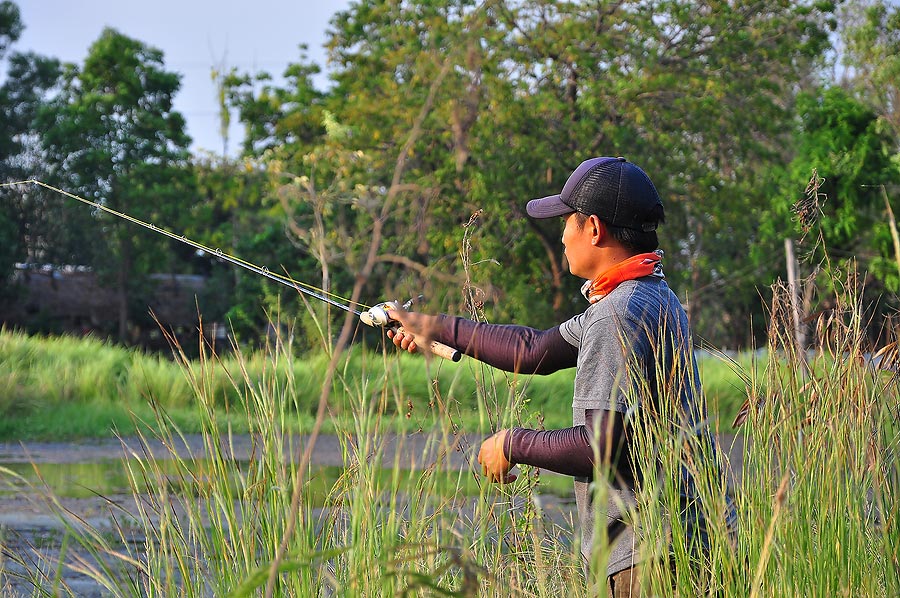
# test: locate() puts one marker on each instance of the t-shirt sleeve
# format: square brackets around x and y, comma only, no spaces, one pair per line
[601,359]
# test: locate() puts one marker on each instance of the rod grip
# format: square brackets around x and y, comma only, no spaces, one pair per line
[439,349]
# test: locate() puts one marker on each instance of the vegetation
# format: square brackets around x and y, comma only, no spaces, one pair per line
[56,388]
[820,475]
[407,176]
[440,121]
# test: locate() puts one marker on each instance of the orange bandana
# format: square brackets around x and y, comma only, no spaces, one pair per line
[637,266]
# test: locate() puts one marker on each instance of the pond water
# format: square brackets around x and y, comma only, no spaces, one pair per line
[85,478]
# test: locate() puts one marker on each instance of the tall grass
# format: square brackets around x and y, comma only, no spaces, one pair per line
[823,472]
[817,502]
[216,530]
[817,506]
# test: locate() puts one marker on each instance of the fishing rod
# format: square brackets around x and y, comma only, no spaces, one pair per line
[375,316]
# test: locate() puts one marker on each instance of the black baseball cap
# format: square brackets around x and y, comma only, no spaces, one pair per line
[613,189]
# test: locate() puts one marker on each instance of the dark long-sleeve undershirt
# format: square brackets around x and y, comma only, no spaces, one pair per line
[572,451]
[569,451]
[508,347]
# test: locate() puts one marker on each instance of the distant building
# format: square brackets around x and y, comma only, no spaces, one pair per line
[70,299]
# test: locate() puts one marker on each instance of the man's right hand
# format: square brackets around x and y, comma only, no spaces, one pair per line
[412,324]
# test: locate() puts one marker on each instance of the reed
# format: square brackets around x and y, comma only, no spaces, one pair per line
[817,502]
[817,511]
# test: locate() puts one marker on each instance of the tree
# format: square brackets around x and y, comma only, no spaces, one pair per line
[11,26]
[698,94]
[29,79]
[288,117]
[872,57]
[518,92]
[113,137]
[321,175]
[842,139]
[10,29]
[233,213]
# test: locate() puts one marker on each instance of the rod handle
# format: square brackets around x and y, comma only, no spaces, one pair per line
[439,349]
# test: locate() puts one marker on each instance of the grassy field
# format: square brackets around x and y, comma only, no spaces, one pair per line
[817,504]
[64,388]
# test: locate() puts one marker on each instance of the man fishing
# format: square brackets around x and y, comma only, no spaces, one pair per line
[631,345]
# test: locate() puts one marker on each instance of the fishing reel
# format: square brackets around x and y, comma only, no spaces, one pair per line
[377,315]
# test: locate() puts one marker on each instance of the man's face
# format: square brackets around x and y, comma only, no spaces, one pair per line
[577,242]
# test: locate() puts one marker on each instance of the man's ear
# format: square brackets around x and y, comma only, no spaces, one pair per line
[598,230]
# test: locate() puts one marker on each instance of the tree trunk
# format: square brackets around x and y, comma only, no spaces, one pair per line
[554,258]
[122,282]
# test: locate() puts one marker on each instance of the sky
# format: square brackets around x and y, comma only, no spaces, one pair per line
[195,37]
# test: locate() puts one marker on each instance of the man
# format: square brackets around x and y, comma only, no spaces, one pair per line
[630,346]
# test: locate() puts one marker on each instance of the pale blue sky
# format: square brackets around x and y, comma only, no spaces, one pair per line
[195,36]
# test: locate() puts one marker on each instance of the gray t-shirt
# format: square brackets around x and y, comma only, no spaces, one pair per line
[640,322]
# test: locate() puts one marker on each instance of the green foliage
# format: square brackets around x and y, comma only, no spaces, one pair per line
[288,118]
[114,138]
[441,121]
[409,175]
[533,88]
[872,56]
[10,24]
[28,79]
[842,140]
[234,214]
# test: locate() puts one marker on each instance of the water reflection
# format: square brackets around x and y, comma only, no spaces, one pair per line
[109,478]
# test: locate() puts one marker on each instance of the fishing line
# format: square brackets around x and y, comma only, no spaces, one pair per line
[301,287]
[375,315]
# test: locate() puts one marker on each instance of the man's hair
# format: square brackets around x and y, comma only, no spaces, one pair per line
[634,240]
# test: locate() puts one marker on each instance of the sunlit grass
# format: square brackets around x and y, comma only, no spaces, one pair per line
[60,388]
[817,506]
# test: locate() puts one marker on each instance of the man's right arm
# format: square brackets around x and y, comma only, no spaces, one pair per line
[507,347]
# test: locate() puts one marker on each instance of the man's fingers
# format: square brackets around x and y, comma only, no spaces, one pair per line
[405,341]
[408,342]
[501,479]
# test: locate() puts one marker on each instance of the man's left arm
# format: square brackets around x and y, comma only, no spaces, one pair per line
[569,451]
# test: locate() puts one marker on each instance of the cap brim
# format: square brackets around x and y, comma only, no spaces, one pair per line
[548,207]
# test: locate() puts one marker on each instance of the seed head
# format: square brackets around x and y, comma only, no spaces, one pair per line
[808,209]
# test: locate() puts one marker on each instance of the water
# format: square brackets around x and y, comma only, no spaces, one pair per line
[90,484]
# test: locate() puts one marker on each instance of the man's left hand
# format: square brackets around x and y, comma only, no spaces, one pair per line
[494,464]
